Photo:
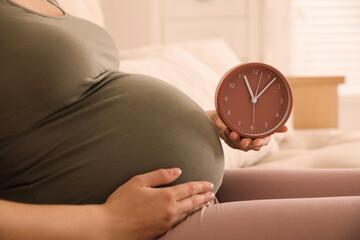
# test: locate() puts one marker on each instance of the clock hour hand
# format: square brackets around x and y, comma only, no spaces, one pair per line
[267,86]
[248,86]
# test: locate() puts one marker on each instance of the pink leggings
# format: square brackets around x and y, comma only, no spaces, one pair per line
[279,204]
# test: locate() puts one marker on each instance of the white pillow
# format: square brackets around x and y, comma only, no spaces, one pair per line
[181,68]
[87,9]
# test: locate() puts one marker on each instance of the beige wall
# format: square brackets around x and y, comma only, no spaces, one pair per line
[241,23]
[128,21]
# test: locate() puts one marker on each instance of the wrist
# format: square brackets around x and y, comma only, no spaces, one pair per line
[109,224]
[212,115]
[96,227]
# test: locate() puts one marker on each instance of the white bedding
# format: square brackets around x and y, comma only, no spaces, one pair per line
[325,148]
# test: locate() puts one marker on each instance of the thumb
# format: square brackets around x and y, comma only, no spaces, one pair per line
[158,177]
[283,129]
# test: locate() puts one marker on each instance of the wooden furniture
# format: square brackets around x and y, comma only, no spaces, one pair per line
[315,101]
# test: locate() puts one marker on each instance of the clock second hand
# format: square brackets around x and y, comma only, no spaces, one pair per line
[257,88]
[253,112]
[254,99]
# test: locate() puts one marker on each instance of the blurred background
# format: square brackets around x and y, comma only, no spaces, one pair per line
[299,37]
[192,43]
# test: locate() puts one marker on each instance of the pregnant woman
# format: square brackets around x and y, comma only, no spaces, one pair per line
[88,152]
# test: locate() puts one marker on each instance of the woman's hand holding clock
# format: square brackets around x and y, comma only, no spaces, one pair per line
[234,140]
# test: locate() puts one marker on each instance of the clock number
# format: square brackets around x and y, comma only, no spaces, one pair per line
[231,85]
[278,86]
[266,124]
[241,75]
[226,98]
[269,76]
[228,113]
[277,115]
[281,100]
[255,72]
[252,127]
[239,123]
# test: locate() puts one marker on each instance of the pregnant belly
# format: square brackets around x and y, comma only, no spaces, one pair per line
[131,125]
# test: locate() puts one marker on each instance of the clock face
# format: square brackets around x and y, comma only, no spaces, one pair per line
[254,99]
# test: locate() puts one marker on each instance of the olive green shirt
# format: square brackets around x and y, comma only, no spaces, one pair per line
[73,128]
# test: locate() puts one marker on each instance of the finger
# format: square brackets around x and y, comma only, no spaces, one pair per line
[188,205]
[157,178]
[267,140]
[229,141]
[221,128]
[260,142]
[184,215]
[283,129]
[245,143]
[226,133]
[189,189]
[235,138]
[239,143]
[220,124]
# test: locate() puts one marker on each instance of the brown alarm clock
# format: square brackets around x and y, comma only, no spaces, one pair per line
[254,100]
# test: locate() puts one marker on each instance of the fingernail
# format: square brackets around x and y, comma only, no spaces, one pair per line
[212,195]
[211,186]
[208,204]
[175,171]
[260,144]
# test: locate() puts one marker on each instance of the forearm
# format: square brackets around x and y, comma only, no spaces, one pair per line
[29,221]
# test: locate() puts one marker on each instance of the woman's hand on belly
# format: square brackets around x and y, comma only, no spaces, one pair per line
[137,210]
[233,139]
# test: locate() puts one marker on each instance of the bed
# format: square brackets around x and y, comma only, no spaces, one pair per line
[195,67]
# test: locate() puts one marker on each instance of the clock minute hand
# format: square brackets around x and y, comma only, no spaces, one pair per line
[267,86]
[248,86]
